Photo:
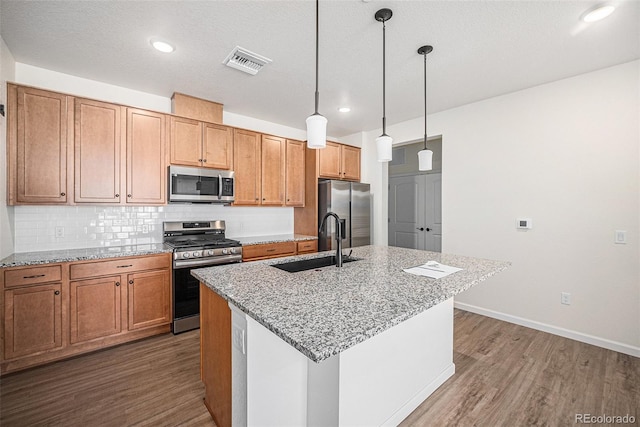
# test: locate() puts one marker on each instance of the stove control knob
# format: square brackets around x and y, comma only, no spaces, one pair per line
[211,252]
[197,254]
[233,250]
[225,251]
[186,255]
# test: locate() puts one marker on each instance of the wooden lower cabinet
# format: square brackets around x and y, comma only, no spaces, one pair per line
[32,320]
[149,299]
[278,249]
[55,311]
[95,308]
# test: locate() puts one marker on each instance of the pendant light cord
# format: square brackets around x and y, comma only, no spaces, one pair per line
[317,48]
[425,101]
[384,103]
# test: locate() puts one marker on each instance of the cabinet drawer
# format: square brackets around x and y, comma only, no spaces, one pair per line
[32,275]
[268,250]
[308,246]
[118,266]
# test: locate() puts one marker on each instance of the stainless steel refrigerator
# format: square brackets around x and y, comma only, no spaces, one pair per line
[351,201]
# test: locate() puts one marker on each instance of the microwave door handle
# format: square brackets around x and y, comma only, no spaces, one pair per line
[219,186]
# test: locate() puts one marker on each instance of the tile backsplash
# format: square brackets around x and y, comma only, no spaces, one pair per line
[40,228]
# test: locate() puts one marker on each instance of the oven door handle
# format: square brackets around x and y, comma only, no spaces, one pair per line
[226,259]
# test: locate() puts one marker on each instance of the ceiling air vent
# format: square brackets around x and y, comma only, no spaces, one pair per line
[245,60]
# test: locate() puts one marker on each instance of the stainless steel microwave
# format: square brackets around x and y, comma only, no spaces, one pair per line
[200,185]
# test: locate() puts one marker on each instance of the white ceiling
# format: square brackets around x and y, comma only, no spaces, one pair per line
[481,49]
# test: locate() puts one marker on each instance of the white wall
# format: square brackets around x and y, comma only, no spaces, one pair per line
[95,226]
[7,73]
[566,154]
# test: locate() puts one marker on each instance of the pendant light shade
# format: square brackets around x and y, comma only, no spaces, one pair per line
[384,142]
[316,123]
[425,160]
[316,131]
[384,145]
[425,157]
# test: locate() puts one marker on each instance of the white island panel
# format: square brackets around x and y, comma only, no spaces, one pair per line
[375,383]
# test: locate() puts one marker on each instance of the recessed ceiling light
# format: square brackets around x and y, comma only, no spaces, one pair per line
[598,12]
[162,46]
[344,109]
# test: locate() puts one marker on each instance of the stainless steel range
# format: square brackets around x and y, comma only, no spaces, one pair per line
[195,244]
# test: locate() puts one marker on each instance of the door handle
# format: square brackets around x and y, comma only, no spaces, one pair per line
[420,228]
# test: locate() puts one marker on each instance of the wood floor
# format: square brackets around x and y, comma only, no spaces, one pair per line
[506,375]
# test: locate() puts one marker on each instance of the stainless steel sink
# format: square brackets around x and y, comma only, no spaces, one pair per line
[310,264]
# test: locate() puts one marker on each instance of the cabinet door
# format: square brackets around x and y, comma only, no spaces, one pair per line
[186,142]
[98,132]
[149,298]
[273,170]
[217,146]
[32,320]
[146,158]
[95,308]
[350,163]
[41,146]
[295,173]
[329,161]
[246,164]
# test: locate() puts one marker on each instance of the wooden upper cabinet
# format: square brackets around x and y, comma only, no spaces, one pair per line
[98,142]
[329,161]
[350,163]
[295,173]
[38,147]
[339,161]
[217,146]
[273,170]
[186,142]
[201,144]
[146,181]
[247,167]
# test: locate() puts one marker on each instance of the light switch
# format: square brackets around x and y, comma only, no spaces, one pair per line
[621,237]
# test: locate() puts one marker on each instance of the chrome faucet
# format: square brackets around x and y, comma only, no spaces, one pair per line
[338,236]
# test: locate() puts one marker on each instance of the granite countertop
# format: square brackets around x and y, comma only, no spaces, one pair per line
[69,255]
[322,313]
[275,238]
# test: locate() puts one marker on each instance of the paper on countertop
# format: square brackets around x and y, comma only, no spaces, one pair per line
[432,269]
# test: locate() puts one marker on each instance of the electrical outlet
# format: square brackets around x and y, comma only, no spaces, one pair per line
[565,298]
[238,339]
[145,228]
[59,232]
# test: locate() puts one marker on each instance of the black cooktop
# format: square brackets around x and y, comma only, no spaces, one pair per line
[180,242]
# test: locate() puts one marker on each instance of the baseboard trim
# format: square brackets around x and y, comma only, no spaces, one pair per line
[420,397]
[566,333]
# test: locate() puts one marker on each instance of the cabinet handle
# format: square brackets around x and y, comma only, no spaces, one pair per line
[56,292]
[199,160]
[117,283]
[131,282]
[204,160]
[33,277]
[271,250]
[129,195]
[117,195]
[264,198]
[124,266]
[63,194]
[257,198]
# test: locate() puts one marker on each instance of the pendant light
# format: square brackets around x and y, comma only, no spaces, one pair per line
[316,123]
[384,141]
[425,157]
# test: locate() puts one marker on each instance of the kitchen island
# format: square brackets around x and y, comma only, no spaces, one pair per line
[363,344]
